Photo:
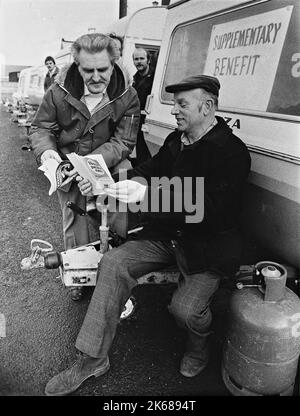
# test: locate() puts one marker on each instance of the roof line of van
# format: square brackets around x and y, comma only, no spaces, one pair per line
[170,6]
[144,8]
[149,7]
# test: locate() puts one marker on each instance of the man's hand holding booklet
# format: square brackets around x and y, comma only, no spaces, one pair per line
[90,167]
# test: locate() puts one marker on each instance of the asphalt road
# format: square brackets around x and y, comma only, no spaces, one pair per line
[42,322]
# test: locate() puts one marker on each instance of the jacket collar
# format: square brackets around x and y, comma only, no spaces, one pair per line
[219,134]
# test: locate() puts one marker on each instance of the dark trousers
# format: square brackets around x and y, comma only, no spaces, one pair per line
[118,272]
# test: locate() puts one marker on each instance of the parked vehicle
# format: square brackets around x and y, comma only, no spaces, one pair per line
[36,85]
[144,28]
[252,47]
[20,97]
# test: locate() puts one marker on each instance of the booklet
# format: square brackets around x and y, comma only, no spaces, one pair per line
[55,172]
[93,168]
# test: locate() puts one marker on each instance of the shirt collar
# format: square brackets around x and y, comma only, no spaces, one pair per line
[187,142]
[87,92]
[52,71]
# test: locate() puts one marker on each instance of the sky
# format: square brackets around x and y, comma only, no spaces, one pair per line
[32,29]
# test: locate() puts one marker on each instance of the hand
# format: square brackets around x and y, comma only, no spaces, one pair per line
[50,154]
[72,172]
[127,191]
[85,186]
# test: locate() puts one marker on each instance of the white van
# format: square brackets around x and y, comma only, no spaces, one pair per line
[253,48]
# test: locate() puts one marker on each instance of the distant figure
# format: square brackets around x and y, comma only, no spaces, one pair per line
[52,72]
[119,43]
[142,82]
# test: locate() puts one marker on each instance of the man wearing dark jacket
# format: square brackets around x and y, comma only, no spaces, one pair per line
[184,224]
[52,72]
[89,110]
[142,82]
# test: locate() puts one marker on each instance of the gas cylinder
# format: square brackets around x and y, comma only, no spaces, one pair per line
[262,346]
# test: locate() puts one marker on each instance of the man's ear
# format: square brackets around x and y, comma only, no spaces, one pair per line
[208,106]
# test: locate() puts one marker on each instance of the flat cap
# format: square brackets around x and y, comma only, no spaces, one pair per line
[210,84]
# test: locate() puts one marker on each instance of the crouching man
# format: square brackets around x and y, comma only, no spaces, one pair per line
[204,242]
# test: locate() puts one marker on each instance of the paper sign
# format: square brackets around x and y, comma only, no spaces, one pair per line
[244,55]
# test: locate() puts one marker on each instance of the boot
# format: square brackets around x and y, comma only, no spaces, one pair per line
[70,379]
[196,357]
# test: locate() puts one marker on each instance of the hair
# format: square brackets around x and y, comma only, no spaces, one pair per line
[49,58]
[211,96]
[93,43]
[142,49]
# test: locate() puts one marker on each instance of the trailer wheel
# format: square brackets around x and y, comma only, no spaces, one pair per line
[129,308]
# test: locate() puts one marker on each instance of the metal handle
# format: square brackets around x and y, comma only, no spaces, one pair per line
[240,285]
[148,104]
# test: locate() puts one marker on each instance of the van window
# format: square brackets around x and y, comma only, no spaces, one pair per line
[153,52]
[253,51]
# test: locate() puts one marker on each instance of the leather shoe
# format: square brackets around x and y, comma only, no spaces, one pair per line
[71,379]
[191,367]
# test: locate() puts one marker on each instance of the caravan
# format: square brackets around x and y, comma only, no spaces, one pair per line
[144,29]
[36,85]
[30,87]
[20,97]
[252,47]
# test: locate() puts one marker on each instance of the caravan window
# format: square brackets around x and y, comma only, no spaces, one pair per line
[153,52]
[253,51]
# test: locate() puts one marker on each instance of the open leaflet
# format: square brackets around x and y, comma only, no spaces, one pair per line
[93,168]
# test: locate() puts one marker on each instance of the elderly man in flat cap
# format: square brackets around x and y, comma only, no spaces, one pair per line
[184,225]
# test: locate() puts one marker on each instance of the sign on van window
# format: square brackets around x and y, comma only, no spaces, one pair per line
[244,55]
[254,51]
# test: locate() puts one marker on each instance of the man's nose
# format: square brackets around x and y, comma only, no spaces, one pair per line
[96,75]
[174,110]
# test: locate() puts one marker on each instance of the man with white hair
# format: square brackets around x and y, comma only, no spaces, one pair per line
[89,110]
